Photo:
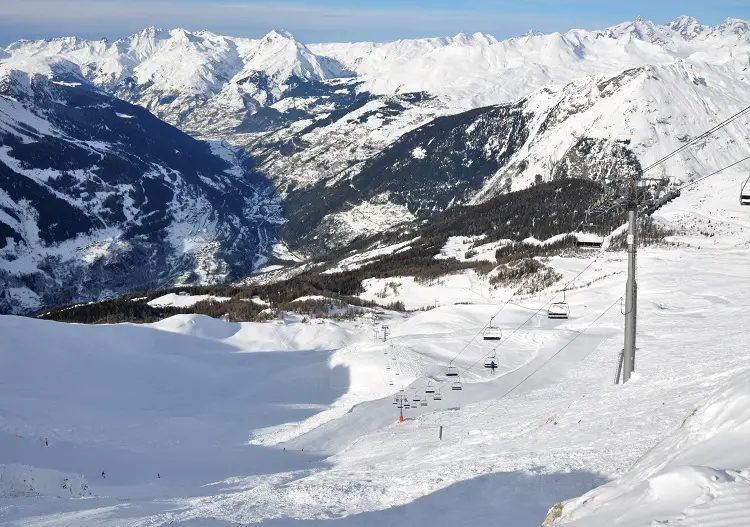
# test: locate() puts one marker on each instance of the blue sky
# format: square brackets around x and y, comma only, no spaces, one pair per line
[342,20]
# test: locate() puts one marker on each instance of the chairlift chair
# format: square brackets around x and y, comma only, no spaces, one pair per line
[430,388]
[492,332]
[406,404]
[451,371]
[437,397]
[559,310]
[423,403]
[456,386]
[592,241]
[745,192]
[588,235]
[416,398]
[491,361]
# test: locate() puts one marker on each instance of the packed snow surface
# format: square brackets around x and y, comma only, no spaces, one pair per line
[18,480]
[196,421]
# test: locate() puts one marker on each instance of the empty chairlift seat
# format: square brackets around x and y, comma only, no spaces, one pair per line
[437,397]
[492,332]
[451,371]
[430,388]
[589,240]
[456,386]
[745,192]
[558,310]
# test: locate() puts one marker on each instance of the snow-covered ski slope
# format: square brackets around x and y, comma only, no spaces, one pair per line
[293,423]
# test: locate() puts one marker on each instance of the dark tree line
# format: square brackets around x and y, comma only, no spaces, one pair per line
[542,211]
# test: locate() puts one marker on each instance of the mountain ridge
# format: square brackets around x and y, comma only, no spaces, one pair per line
[98,197]
[358,138]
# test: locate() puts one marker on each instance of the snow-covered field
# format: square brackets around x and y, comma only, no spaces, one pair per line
[201,422]
[184,300]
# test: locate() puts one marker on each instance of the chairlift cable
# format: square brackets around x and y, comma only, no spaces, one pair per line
[700,137]
[544,306]
[705,135]
[563,348]
[693,182]
[575,337]
[687,185]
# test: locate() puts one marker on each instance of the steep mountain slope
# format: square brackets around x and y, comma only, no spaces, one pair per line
[98,196]
[361,137]
[173,73]
[603,128]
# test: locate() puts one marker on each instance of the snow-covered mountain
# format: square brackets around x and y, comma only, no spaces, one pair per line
[359,137]
[174,73]
[96,193]
[478,70]
[99,197]
[602,127]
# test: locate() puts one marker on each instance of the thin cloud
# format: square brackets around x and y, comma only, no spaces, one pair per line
[120,17]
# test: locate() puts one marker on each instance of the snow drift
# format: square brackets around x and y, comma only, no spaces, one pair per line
[699,475]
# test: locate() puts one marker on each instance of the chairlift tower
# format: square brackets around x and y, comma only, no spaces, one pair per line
[399,399]
[631,288]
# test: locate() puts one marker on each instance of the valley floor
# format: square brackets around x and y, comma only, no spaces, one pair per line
[197,421]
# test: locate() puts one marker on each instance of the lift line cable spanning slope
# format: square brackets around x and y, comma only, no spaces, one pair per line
[613,304]
[535,313]
[686,185]
[538,311]
[650,167]
[567,285]
[704,135]
[575,337]
[508,301]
